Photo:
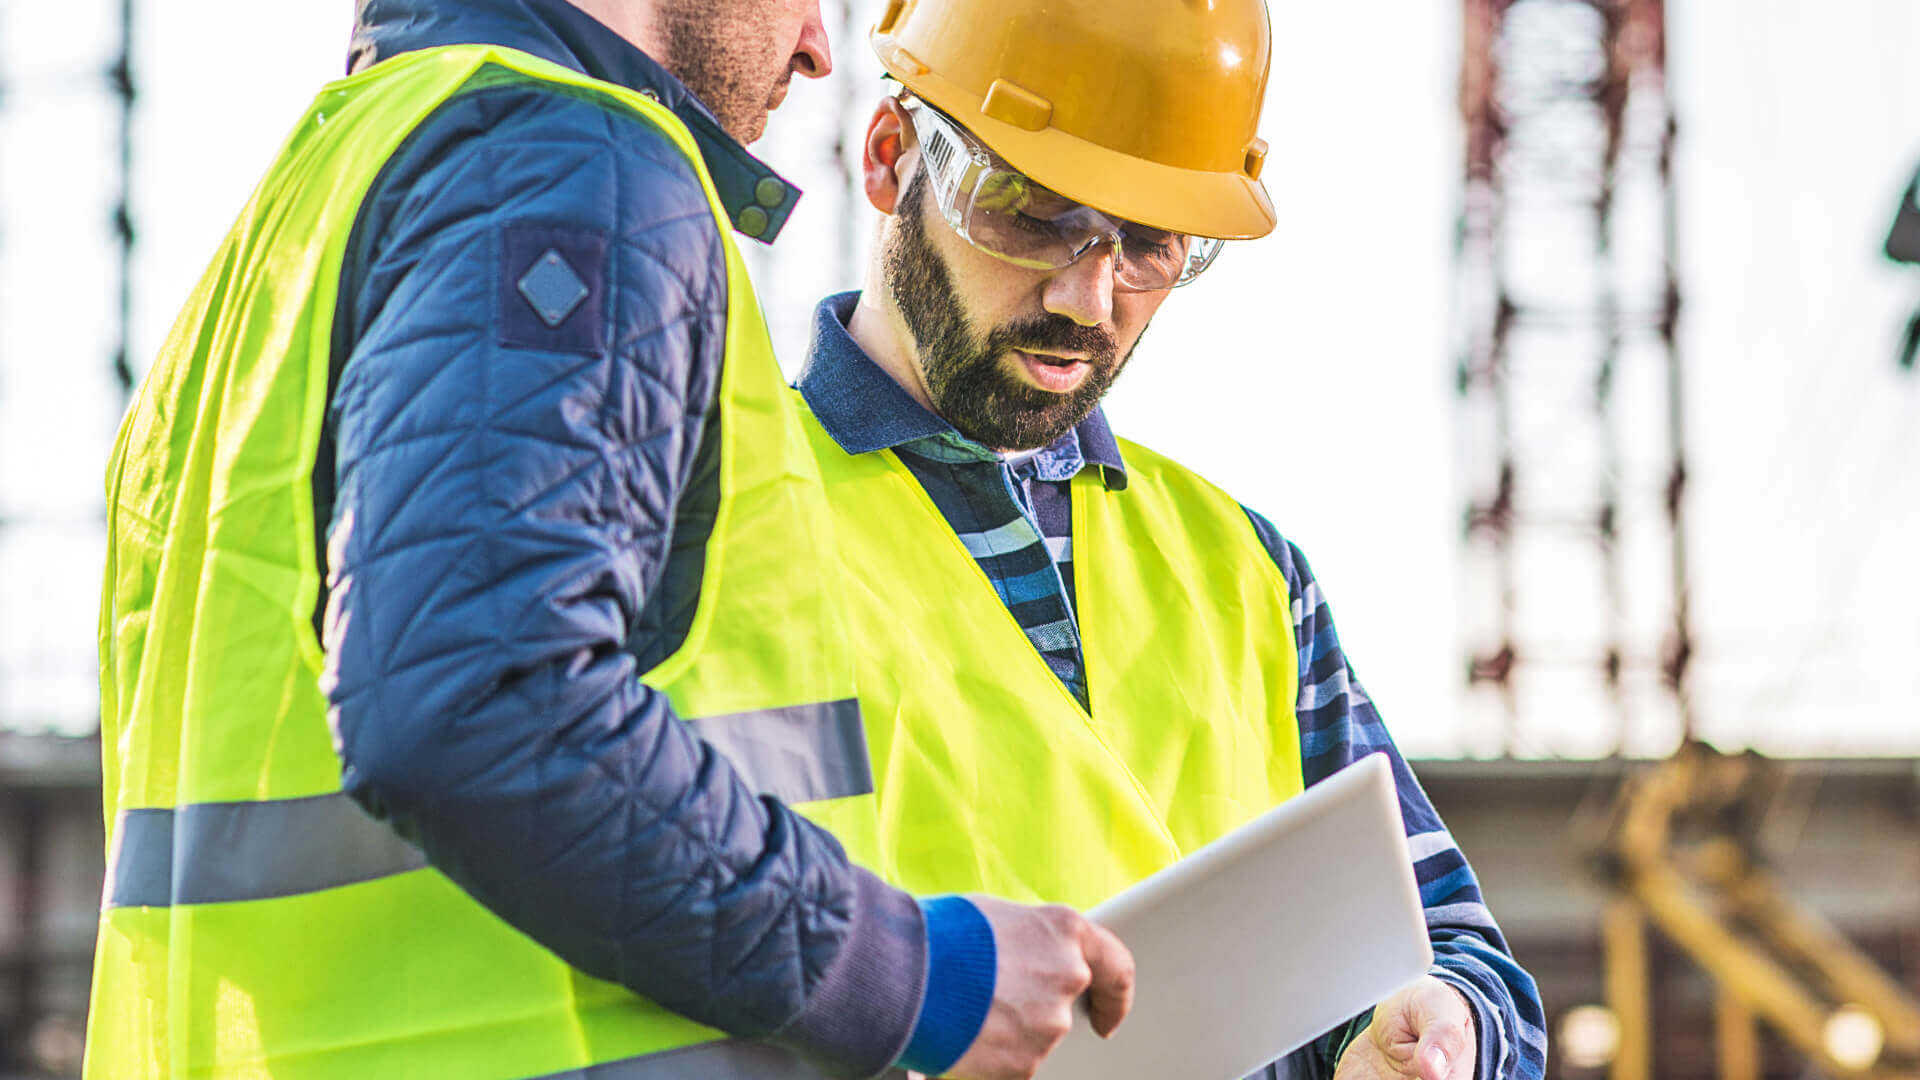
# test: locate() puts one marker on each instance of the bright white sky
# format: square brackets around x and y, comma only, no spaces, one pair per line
[1309,374]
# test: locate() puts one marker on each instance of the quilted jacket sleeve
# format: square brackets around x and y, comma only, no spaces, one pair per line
[506,491]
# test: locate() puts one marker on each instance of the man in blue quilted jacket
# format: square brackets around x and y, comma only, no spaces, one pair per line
[559,737]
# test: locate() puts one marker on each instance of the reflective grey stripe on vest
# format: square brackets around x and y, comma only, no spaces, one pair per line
[730,1058]
[212,853]
[801,753]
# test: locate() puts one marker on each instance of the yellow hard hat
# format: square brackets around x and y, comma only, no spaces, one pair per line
[1143,109]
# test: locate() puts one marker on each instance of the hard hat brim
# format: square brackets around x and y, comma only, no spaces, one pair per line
[1226,206]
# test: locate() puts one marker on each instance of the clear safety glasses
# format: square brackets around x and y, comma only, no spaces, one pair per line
[1006,214]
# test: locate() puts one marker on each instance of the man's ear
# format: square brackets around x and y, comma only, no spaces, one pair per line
[883,155]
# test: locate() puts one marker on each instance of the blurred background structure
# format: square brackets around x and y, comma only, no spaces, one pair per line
[1570,298]
[1636,262]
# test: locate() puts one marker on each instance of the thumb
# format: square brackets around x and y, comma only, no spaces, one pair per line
[1110,990]
[1430,1058]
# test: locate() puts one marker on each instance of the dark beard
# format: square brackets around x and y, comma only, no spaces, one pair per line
[963,375]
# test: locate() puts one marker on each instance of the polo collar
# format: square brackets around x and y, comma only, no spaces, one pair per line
[863,409]
[758,200]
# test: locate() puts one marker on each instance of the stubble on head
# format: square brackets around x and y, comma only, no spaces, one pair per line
[962,369]
[729,54]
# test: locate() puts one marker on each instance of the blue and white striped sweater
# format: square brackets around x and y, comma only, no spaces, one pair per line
[1339,725]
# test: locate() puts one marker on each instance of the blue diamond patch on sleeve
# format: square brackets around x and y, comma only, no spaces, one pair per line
[552,288]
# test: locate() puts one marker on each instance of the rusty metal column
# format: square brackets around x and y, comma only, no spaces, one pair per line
[1486,317]
[1575,592]
[1647,30]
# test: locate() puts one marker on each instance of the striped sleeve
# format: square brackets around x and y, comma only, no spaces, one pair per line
[1339,725]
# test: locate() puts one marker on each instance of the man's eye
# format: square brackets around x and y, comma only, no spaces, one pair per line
[1029,223]
[1154,244]
[1047,206]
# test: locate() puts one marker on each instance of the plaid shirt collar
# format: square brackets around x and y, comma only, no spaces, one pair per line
[864,410]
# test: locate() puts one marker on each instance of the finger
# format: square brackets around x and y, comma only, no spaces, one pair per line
[1110,993]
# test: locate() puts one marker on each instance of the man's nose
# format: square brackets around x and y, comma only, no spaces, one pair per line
[813,54]
[1083,291]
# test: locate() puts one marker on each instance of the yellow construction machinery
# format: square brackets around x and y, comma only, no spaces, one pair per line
[1681,852]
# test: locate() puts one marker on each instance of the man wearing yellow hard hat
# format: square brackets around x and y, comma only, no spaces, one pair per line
[1077,659]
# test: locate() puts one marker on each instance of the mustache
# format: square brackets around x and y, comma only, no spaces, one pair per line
[1054,332]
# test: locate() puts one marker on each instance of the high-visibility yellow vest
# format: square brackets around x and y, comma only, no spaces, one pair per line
[256,923]
[990,775]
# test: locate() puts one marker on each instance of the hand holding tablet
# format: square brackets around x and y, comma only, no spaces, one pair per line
[1250,947]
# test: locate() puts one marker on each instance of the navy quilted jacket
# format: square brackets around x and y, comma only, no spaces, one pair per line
[518,513]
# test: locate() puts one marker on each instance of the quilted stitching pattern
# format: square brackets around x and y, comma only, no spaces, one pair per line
[503,520]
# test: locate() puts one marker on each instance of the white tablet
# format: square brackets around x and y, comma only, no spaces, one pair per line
[1257,943]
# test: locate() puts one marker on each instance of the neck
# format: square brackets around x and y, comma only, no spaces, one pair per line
[635,22]
[881,332]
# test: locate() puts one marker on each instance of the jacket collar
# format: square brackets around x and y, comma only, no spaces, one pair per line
[864,410]
[758,200]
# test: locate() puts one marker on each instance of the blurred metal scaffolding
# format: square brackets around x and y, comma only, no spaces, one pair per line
[120,82]
[1575,546]
[1573,452]
[66,252]
[50,827]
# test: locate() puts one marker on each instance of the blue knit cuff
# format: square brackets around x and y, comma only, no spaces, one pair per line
[960,969]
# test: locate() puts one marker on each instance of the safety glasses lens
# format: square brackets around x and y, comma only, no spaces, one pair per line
[1006,213]
[1014,217]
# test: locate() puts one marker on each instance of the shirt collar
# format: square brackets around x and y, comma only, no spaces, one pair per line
[758,200]
[864,410]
